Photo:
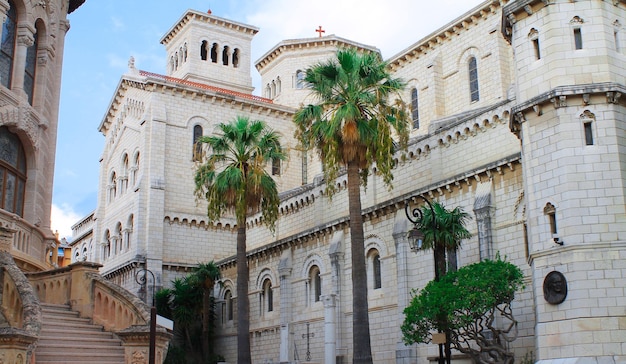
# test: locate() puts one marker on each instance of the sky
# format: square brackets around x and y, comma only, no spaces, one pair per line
[104,34]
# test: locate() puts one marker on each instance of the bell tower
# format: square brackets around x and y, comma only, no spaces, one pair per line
[205,48]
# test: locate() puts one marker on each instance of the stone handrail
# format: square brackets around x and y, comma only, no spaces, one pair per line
[20,312]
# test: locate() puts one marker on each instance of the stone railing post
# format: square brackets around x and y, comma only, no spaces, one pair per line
[136,342]
[81,291]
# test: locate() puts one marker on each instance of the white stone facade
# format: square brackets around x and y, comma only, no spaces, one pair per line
[531,144]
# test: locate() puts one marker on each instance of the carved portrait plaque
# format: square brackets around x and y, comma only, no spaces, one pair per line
[555,287]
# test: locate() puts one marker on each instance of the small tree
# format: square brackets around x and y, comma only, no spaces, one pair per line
[475,304]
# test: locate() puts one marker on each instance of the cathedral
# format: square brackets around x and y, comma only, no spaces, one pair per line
[517,118]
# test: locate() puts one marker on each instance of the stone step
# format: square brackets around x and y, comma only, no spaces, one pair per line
[67,338]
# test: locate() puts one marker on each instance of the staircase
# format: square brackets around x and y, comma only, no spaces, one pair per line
[68,339]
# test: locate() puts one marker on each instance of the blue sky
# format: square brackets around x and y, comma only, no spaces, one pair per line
[104,34]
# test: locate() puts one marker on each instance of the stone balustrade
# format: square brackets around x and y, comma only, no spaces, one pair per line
[20,311]
[82,288]
[30,247]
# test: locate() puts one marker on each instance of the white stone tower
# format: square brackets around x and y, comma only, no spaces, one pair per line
[569,117]
[204,48]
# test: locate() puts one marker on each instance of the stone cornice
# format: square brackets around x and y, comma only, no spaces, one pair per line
[558,98]
[208,18]
[309,43]
[446,33]
[153,82]
[383,208]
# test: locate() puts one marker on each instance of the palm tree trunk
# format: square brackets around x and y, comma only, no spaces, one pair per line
[243,306]
[362,348]
[206,308]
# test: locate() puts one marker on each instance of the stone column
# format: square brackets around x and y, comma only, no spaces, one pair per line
[404,354]
[25,39]
[330,343]
[284,271]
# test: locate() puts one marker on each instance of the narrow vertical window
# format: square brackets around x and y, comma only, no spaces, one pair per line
[203,50]
[236,58]
[273,89]
[275,167]
[315,284]
[197,145]
[214,53]
[415,109]
[269,296]
[618,46]
[7,48]
[300,79]
[473,79]
[29,70]
[588,133]
[278,86]
[225,56]
[228,297]
[550,212]
[536,48]
[578,38]
[378,281]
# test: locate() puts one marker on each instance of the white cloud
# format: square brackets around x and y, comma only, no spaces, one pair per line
[61,220]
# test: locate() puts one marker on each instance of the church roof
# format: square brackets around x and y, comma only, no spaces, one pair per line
[315,42]
[209,19]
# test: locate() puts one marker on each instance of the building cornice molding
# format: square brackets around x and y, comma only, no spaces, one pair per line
[557,97]
[454,28]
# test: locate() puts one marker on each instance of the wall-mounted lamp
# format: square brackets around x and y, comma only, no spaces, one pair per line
[556,239]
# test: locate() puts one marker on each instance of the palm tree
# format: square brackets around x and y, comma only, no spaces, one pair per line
[233,178]
[206,274]
[443,233]
[351,127]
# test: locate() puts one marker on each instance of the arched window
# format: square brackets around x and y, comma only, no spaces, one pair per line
[228,298]
[236,58]
[112,186]
[273,90]
[197,145]
[7,48]
[278,86]
[225,55]
[414,109]
[134,169]
[300,79]
[268,91]
[473,79]
[124,176]
[214,53]
[203,50]
[185,52]
[268,296]
[30,68]
[128,232]
[118,244]
[12,172]
[315,284]
[375,271]
[107,245]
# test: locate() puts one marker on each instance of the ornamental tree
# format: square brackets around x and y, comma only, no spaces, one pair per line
[473,305]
